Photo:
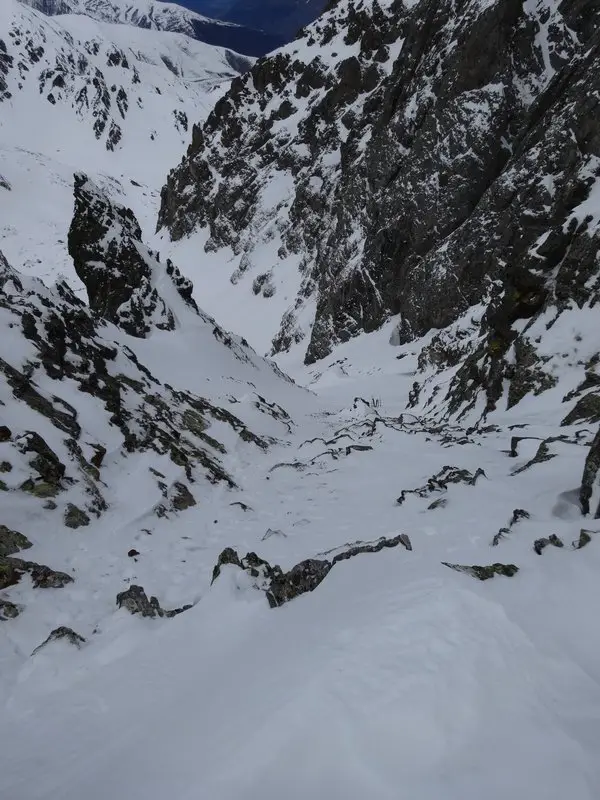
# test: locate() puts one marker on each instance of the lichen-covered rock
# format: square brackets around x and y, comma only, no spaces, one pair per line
[484,573]
[74,517]
[60,634]
[540,544]
[50,471]
[12,541]
[585,537]
[9,574]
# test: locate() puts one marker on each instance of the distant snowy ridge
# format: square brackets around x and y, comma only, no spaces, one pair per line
[163,17]
[77,94]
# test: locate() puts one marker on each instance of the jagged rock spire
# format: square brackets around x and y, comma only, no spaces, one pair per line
[125,281]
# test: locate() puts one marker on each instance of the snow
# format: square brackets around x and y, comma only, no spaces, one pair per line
[395,678]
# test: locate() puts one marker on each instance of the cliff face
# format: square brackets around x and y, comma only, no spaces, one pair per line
[125,281]
[408,158]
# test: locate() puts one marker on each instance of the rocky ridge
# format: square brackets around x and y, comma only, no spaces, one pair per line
[78,401]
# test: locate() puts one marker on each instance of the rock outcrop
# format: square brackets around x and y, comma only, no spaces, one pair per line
[540,544]
[136,601]
[120,273]
[8,610]
[441,481]
[485,573]
[84,410]
[62,634]
[12,541]
[589,480]
[68,341]
[42,577]
[75,518]
[280,587]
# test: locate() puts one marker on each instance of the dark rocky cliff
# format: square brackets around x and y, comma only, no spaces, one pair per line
[432,155]
[125,281]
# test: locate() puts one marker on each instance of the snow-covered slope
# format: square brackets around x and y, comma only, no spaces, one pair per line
[384,586]
[77,94]
[165,17]
[396,671]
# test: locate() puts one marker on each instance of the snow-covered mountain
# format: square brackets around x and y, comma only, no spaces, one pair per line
[81,95]
[215,582]
[161,16]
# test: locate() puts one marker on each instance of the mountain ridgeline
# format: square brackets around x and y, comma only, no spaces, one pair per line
[164,16]
[428,157]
